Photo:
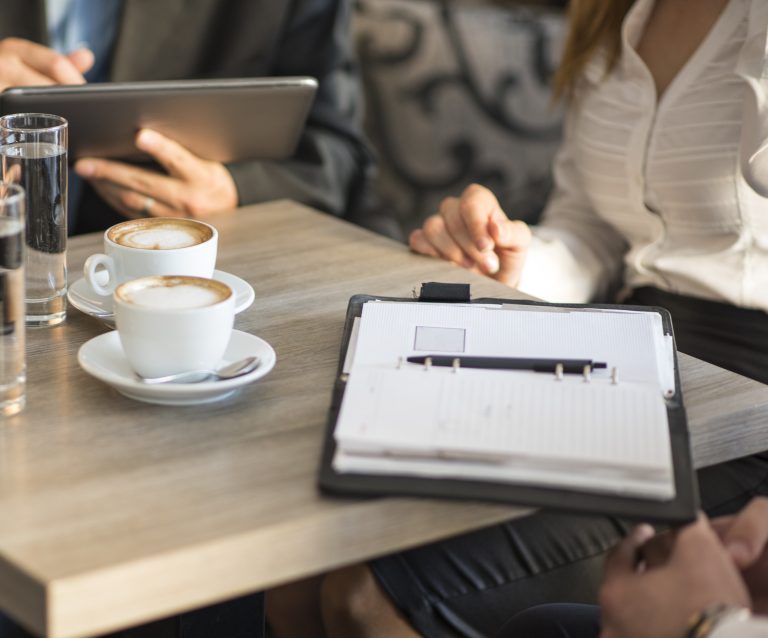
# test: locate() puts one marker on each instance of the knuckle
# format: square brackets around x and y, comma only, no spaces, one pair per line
[129,199]
[8,44]
[447,205]
[469,210]
[195,205]
[433,226]
[58,65]
[474,190]
[523,231]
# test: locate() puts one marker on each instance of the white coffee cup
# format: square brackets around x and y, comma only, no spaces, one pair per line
[152,246]
[170,324]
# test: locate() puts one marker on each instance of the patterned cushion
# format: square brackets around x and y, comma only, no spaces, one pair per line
[458,92]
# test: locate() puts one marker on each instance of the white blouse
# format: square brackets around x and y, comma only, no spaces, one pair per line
[671,195]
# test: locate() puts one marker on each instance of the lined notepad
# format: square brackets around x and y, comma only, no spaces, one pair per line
[516,426]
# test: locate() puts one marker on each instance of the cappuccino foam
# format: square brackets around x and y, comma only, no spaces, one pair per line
[160,234]
[159,239]
[176,297]
[174,293]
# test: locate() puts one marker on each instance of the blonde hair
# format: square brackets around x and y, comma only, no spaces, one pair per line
[593,24]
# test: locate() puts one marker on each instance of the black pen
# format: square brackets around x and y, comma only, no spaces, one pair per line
[570,366]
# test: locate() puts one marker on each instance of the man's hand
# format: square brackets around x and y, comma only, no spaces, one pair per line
[473,232]
[745,537]
[657,602]
[192,187]
[26,63]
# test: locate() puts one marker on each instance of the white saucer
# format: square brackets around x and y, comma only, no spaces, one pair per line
[82,297]
[103,358]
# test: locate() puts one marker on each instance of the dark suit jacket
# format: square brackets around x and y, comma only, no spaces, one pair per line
[191,39]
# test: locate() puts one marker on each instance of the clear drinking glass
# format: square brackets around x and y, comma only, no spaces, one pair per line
[12,356]
[33,150]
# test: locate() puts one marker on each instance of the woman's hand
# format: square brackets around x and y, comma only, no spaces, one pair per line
[473,232]
[191,186]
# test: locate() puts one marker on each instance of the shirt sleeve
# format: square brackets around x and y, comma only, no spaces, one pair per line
[752,66]
[575,255]
[750,628]
[332,164]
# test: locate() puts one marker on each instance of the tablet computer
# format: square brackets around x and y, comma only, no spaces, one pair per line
[222,120]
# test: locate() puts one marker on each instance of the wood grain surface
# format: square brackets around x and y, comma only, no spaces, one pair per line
[115,512]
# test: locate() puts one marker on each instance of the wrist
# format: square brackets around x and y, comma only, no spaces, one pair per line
[705,623]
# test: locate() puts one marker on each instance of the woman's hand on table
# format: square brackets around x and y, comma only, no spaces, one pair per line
[26,63]
[473,232]
[190,187]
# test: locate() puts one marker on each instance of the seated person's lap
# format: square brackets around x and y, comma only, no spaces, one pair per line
[470,585]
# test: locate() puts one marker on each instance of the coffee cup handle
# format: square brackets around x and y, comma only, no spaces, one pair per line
[89,272]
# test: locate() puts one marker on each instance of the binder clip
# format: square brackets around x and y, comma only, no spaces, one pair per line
[427,363]
[559,372]
[614,376]
[587,371]
[456,365]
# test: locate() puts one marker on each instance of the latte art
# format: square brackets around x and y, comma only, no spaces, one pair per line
[173,323]
[173,293]
[160,234]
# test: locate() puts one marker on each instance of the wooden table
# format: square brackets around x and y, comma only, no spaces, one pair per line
[114,512]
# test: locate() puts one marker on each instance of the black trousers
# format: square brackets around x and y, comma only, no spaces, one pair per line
[471,585]
[554,621]
[239,618]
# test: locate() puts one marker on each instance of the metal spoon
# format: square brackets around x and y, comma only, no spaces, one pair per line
[236,369]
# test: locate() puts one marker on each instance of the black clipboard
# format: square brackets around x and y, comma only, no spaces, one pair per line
[681,509]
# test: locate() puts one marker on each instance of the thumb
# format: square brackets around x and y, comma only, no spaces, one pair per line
[623,558]
[747,536]
[511,239]
[82,59]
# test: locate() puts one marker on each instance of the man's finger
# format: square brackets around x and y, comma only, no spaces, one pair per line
[16,73]
[656,551]
[623,558]
[143,205]
[172,156]
[133,178]
[132,204]
[477,206]
[696,540]
[82,59]
[44,60]
[747,536]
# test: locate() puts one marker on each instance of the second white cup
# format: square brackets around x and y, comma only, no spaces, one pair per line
[170,324]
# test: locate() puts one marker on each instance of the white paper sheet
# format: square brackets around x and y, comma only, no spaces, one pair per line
[545,429]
